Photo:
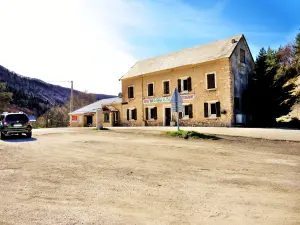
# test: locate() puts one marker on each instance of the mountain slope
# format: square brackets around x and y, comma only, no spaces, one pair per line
[34,95]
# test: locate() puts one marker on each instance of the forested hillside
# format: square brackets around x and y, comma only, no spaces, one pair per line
[35,96]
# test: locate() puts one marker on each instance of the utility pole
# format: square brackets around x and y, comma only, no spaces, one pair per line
[71,98]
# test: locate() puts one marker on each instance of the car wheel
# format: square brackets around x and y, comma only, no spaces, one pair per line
[29,135]
[2,137]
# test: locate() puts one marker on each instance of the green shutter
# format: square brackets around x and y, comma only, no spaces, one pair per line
[134,114]
[190,111]
[155,113]
[218,109]
[205,109]
[179,85]
[147,114]
[189,81]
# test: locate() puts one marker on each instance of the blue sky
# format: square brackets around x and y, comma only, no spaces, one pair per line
[94,42]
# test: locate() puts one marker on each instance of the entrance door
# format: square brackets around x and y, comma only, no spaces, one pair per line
[89,121]
[167,116]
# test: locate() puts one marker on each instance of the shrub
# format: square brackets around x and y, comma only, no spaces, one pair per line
[190,134]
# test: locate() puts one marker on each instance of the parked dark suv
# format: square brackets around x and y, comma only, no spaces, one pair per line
[14,123]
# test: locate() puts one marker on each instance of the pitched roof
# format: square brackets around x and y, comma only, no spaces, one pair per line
[96,105]
[188,56]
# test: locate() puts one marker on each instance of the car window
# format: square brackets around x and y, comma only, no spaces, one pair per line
[17,117]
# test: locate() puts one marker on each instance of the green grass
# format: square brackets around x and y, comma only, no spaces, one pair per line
[191,134]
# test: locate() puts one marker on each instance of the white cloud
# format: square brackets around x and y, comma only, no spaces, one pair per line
[64,40]
[93,42]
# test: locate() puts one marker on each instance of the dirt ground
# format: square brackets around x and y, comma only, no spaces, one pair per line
[80,176]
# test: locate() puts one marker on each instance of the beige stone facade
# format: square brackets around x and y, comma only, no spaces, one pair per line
[231,78]
[222,94]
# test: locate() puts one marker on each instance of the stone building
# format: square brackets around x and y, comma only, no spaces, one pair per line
[211,79]
[86,116]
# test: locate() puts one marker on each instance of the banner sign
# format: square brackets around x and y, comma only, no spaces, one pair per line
[167,99]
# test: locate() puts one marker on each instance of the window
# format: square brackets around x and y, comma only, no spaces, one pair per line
[212,109]
[131,114]
[185,84]
[166,85]
[131,92]
[106,117]
[187,111]
[242,56]
[17,117]
[150,89]
[151,113]
[211,81]
[74,118]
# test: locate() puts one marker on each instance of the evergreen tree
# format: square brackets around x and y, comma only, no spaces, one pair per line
[297,45]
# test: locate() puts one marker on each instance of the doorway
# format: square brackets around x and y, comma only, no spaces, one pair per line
[167,116]
[89,121]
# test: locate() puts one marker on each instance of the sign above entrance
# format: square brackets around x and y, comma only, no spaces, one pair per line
[167,99]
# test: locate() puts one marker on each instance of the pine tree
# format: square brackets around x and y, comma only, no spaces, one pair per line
[297,45]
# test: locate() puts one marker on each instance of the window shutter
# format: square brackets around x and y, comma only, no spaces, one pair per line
[189,84]
[129,92]
[132,92]
[218,108]
[127,114]
[179,85]
[190,111]
[147,114]
[168,87]
[134,114]
[155,113]
[205,109]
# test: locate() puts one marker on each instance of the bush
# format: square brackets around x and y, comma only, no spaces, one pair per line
[190,134]
[289,123]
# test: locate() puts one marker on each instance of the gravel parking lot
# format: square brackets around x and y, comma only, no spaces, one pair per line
[83,176]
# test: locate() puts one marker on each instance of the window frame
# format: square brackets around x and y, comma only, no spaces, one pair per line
[148,89]
[209,108]
[244,58]
[206,81]
[182,84]
[185,116]
[150,116]
[163,87]
[132,91]
[130,113]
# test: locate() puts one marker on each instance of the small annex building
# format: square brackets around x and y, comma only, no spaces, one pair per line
[86,116]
